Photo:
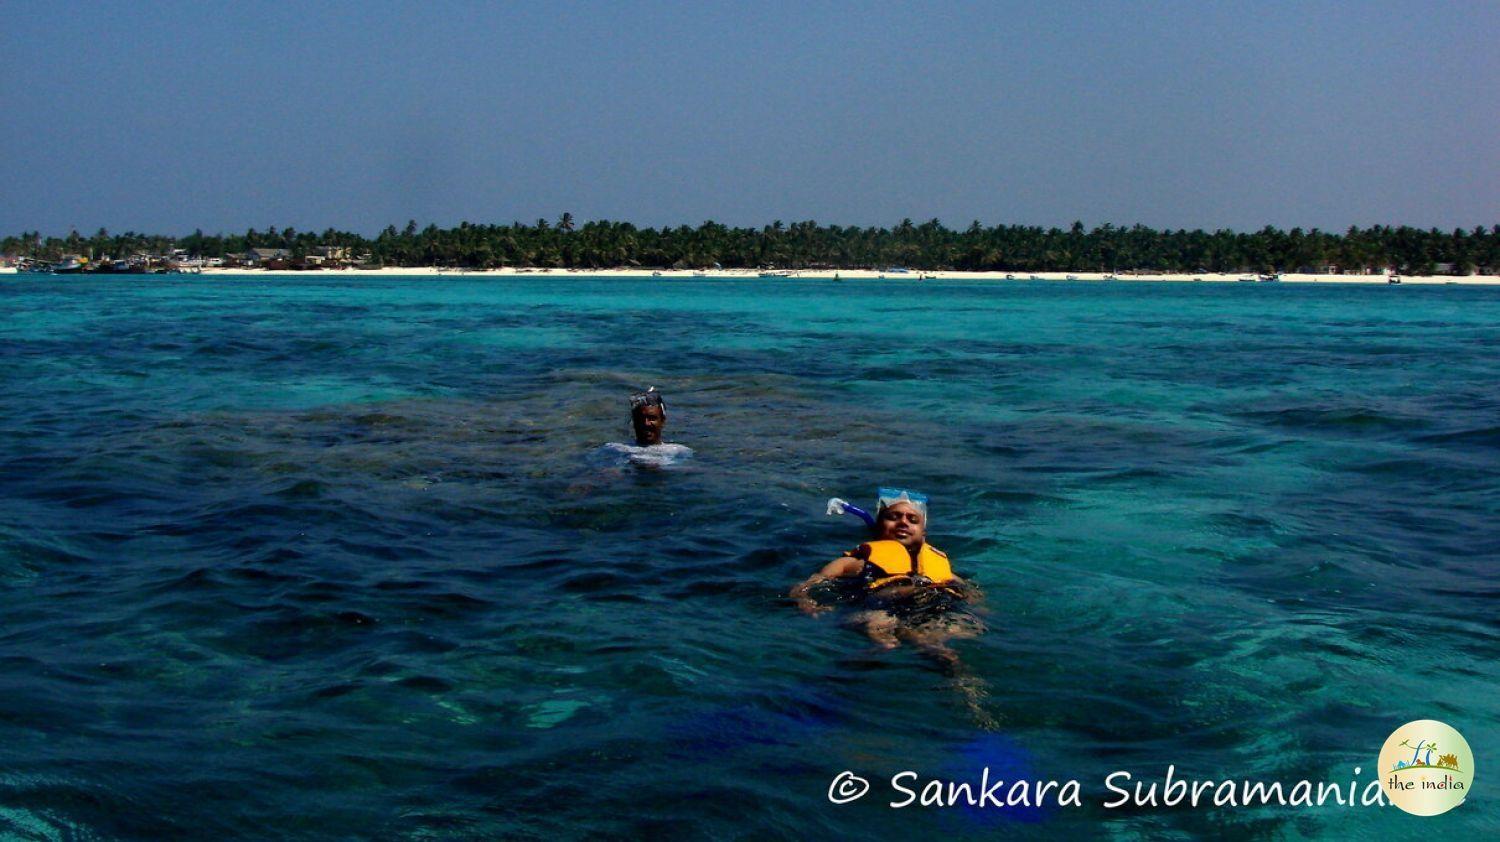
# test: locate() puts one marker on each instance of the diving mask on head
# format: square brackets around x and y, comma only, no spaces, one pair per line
[650,397]
[892,496]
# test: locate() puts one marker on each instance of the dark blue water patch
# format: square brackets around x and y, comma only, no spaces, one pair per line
[1105,444]
[724,730]
[997,757]
[1340,421]
[1485,437]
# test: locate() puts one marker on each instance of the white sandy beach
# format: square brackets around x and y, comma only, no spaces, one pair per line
[865,274]
[872,274]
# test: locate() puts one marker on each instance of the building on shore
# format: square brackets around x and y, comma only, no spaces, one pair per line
[329,254]
[263,257]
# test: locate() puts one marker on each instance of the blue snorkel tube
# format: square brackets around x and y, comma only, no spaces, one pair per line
[844,507]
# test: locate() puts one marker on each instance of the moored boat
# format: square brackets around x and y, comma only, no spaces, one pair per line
[69,265]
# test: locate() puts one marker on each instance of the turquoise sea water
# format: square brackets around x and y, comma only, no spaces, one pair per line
[321,558]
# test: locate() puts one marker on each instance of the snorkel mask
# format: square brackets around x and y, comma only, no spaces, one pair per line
[650,397]
[892,496]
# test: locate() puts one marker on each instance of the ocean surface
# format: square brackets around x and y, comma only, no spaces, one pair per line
[315,558]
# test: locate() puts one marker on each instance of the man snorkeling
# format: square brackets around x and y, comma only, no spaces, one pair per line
[905,587]
[648,418]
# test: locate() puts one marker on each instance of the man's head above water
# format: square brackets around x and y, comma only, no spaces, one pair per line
[648,415]
[901,521]
[901,515]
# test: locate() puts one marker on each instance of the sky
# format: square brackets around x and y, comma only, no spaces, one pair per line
[165,117]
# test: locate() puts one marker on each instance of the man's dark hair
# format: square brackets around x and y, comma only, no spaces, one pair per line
[641,400]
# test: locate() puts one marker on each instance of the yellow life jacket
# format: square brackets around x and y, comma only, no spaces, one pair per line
[893,559]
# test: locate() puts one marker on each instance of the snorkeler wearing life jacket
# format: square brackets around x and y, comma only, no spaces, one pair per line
[908,586]
[905,591]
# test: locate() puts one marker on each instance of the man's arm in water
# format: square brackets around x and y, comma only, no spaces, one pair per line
[837,569]
[969,592]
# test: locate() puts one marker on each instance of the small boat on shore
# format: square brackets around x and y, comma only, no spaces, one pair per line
[120,267]
[776,273]
[70,265]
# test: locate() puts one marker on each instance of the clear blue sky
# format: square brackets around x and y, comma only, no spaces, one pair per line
[163,117]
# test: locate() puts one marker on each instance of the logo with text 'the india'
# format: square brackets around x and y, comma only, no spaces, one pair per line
[1426,768]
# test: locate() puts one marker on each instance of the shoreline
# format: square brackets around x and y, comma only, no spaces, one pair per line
[857,274]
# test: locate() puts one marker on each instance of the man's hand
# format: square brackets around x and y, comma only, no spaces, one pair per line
[836,569]
[811,607]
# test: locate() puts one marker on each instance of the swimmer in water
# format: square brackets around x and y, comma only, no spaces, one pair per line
[908,592]
[906,587]
[648,417]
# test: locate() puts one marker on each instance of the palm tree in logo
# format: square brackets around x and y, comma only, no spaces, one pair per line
[1417,752]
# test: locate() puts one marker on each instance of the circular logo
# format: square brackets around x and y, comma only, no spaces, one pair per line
[1426,768]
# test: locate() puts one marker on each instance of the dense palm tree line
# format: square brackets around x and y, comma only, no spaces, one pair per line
[801,245]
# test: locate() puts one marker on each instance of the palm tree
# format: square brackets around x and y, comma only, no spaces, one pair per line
[1417,752]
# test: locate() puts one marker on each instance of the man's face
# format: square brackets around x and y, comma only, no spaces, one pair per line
[648,421]
[902,522]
